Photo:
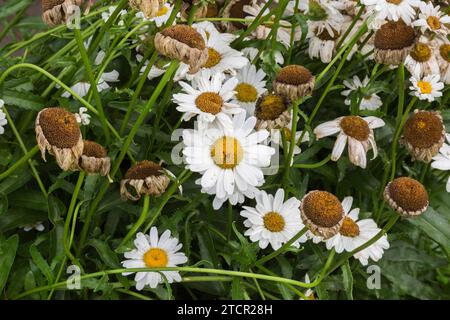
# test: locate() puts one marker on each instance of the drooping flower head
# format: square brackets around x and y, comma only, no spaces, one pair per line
[294,82]
[407,196]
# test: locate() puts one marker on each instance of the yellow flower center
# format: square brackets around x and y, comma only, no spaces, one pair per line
[162,11]
[209,102]
[246,92]
[421,52]
[425,87]
[397,2]
[349,228]
[274,222]
[434,23]
[214,58]
[287,133]
[227,152]
[444,50]
[156,258]
[355,127]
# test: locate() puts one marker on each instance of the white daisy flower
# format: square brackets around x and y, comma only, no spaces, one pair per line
[394,9]
[251,85]
[111,9]
[442,52]
[427,88]
[421,60]
[368,101]
[3,120]
[83,117]
[207,29]
[442,160]
[359,134]
[154,252]
[161,17]
[273,221]
[327,18]
[230,158]
[432,19]
[354,233]
[208,96]
[38,226]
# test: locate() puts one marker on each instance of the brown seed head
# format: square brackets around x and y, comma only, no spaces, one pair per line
[237,11]
[394,35]
[294,75]
[60,127]
[322,208]
[185,34]
[49,4]
[93,149]
[144,169]
[408,194]
[355,127]
[423,129]
[270,106]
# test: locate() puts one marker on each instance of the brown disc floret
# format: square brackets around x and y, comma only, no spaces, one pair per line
[407,196]
[294,82]
[393,42]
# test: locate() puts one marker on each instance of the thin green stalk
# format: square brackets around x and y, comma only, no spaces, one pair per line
[93,88]
[293,27]
[282,248]
[25,151]
[312,165]
[230,220]
[69,215]
[292,143]
[143,216]
[397,137]
[401,92]
[13,22]
[148,107]
[179,269]
[17,164]
[291,287]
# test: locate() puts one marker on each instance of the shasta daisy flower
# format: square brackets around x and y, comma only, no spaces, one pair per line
[368,101]
[82,88]
[429,88]
[229,158]
[273,221]
[250,86]
[152,251]
[208,97]
[357,131]
[207,29]
[354,233]
[442,160]
[161,16]
[431,18]
[394,9]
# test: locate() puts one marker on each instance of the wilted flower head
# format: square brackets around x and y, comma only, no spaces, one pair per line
[294,82]
[58,131]
[407,196]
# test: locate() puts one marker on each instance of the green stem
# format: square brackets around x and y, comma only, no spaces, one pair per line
[17,164]
[93,88]
[144,214]
[179,269]
[292,144]
[397,136]
[282,248]
[312,165]
[291,40]
[351,26]
[25,151]
[69,215]
[13,22]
